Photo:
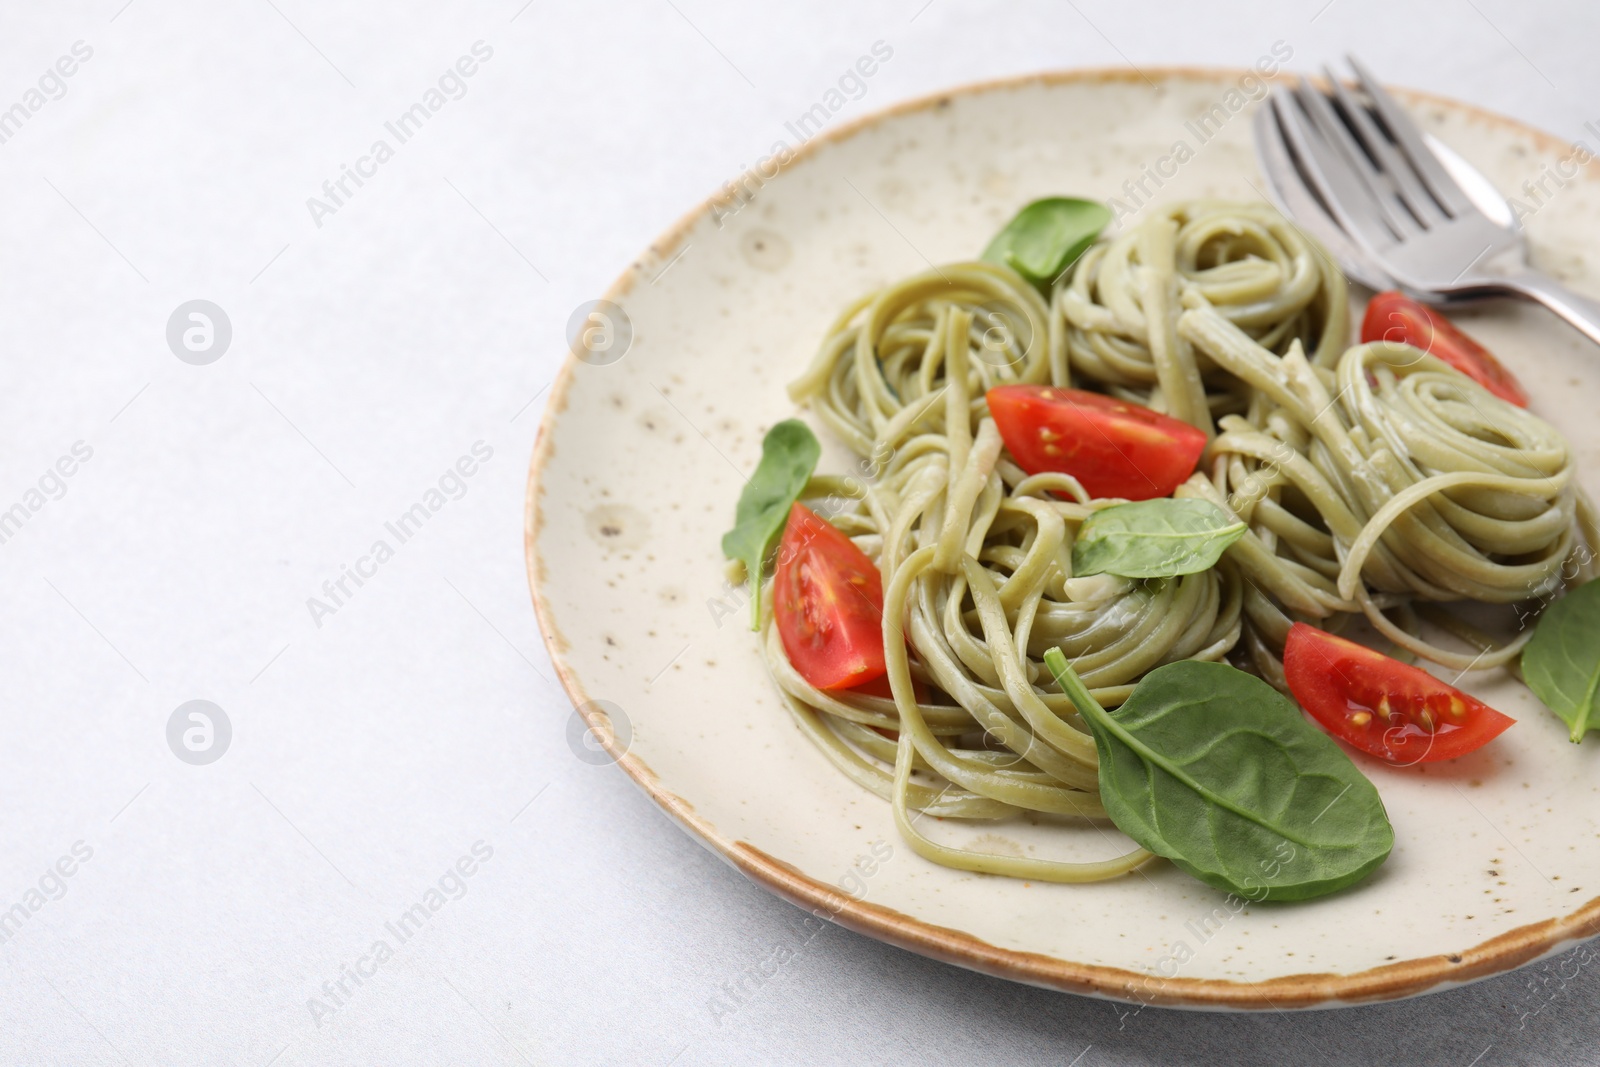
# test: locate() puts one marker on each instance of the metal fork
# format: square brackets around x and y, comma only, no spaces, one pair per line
[1355,171]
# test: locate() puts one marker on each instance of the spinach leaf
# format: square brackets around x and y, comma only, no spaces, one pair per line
[1154,539]
[789,454]
[1217,771]
[1561,662]
[1047,237]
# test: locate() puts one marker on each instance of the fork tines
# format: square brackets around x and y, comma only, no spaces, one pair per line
[1365,152]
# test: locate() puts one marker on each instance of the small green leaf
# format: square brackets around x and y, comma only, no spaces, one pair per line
[1154,539]
[789,454]
[1047,237]
[1561,662]
[1220,773]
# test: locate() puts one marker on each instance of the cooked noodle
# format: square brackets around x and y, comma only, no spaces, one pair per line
[1373,479]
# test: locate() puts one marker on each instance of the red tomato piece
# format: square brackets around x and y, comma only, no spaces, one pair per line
[827,601]
[1394,316]
[1384,707]
[1115,449]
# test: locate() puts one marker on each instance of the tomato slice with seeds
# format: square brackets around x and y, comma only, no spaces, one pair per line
[827,601]
[1384,707]
[1113,448]
[1394,316]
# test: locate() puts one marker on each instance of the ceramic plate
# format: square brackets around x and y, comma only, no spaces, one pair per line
[643,452]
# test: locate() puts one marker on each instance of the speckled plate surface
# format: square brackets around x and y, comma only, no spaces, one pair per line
[641,458]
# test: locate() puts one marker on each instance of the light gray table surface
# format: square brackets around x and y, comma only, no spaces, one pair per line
[410,724]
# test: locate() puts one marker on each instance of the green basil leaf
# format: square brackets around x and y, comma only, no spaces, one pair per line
[1047,237]
[789,454]
[1154,539]
[1220,773]
[1561,662]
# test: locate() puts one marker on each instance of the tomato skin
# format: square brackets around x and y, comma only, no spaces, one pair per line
[827,602]
[1376,703]
[1113,448]
[1393,316]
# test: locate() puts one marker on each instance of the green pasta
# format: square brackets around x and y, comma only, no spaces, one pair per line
[1373,481]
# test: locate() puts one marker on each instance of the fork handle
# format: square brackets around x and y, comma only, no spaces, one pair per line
[1580,312]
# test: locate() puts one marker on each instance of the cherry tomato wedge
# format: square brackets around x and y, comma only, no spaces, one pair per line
[1393,316]
[1384,707]
[827,601]
[1115,449]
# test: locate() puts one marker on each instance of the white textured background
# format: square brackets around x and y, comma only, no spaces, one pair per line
[369,754]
